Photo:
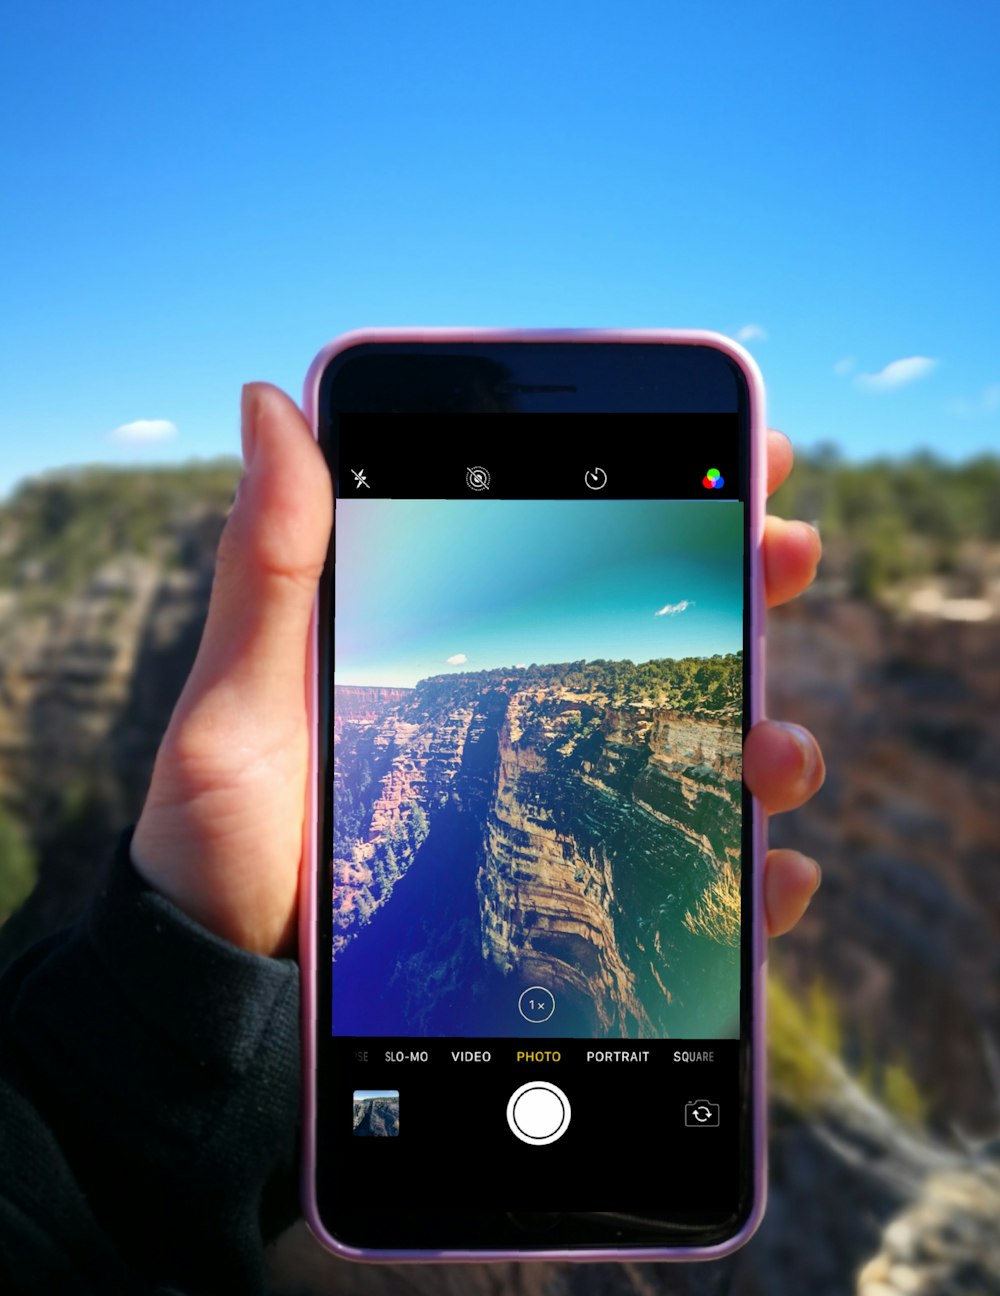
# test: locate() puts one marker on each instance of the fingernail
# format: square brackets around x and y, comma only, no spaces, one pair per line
[813,527]
[248,422]
[817,873]
[806,749]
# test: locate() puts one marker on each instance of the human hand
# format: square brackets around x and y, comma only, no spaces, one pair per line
[220,833]
[782,763]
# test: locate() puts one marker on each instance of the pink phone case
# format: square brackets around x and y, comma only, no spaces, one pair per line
[310,962]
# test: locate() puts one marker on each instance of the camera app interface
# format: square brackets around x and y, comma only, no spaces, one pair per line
[537,792]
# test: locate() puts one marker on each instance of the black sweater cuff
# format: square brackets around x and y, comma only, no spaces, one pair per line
[211,1001]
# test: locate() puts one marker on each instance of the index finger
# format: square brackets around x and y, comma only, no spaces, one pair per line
[779,459]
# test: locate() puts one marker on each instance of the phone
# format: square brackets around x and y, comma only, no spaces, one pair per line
[533,936]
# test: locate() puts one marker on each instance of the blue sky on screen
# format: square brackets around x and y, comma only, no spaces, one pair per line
[426,587]
[196,196]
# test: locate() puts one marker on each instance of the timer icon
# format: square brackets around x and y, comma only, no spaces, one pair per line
[595,479]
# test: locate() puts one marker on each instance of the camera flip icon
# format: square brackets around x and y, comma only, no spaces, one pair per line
[701,1113]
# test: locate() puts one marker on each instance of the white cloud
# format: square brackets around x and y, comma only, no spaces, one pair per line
[458,659]
[897,373]
[751,333]
[672,609]
[987,402]
[143,431]
[844,366]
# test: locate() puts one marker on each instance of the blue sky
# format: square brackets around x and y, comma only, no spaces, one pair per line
[197,196]
[432,587]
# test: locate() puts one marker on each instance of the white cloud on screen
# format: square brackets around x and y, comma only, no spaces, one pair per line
[458,659]
[897,373]
[143,431]
[844,366]
[672,609]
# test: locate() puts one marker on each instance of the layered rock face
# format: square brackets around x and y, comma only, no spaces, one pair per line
[598,822]
[356,704]
[582,822]
[95,642]
[946,1243]
[906,927]
[104,581]
[376,1117]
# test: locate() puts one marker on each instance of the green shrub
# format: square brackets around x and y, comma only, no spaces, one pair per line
[18,867]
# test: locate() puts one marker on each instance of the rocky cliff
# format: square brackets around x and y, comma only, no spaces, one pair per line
[104,581]
[904,932]
[376,1117]
[906,928]
[589,798]
[599,820]
[354,704]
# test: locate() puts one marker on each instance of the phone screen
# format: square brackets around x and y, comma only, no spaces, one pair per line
[536,656]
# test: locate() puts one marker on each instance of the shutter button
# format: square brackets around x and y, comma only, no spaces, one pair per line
[538,1112]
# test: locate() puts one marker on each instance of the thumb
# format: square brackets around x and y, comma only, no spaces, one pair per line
[249,672]
[220,833]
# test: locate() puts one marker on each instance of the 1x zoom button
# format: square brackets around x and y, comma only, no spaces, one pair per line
[538,1112]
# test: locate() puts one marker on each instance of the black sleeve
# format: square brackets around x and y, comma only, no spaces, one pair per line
[148,1104]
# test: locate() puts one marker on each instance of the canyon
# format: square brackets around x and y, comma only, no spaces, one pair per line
[376,1117]
[591,816]
[104,582]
